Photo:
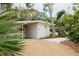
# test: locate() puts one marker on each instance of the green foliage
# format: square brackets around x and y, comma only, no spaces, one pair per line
[50,36]
[9,44]
[60,14]
[75,6]
[48,6]
[6,6]
[10,47]
[68,26]
[32,14]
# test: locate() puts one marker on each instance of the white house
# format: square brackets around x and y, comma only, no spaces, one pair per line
[35,29]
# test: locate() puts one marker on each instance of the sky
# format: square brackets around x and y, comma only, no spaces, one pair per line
[56,8]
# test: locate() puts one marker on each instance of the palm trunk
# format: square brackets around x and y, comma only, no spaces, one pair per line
[50,12]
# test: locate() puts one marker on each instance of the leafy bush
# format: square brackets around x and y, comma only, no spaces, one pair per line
[68,26]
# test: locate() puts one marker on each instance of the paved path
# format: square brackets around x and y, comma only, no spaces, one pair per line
[57,40]
[46,48]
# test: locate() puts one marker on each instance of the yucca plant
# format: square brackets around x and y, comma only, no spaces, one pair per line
[10,45]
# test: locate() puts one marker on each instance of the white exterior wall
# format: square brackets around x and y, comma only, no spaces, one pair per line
[31,30]
[37,30]
[43,30]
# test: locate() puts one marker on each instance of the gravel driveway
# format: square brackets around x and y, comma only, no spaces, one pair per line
[35,47]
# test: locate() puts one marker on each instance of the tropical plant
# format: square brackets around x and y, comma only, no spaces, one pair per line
[9,44]
[68,26]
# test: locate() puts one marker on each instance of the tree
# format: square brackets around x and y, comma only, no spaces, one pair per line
[24,13]
[68,26]
[6,6]
[60,28]
[9,44]
[75,6]
[48,7]
[60,14]
[33,14]
[29,5]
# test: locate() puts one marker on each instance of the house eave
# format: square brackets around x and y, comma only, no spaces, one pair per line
[30,22]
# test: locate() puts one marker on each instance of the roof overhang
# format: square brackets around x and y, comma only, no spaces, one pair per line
[30,22]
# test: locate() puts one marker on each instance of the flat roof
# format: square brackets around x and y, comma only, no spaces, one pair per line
[29,22]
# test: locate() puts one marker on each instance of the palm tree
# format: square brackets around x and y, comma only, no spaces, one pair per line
[9,44]
[48,7]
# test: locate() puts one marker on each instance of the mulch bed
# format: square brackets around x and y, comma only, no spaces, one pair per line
[72,45]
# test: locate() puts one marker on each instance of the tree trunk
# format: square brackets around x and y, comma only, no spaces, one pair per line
[50,13]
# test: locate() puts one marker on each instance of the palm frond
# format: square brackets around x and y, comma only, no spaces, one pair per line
[8,44]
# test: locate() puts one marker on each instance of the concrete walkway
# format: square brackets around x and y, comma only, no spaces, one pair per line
[57,40]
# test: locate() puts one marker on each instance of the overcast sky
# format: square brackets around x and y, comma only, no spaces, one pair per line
[57,7]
